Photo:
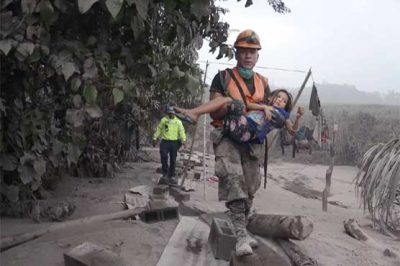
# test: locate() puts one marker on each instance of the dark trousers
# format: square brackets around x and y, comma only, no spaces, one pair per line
[169,148]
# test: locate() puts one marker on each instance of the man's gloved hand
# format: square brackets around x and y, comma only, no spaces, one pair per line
[154,142]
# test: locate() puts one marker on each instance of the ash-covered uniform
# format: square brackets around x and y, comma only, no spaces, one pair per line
[237,165]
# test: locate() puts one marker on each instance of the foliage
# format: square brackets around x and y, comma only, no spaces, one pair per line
[378,183]
[79,78]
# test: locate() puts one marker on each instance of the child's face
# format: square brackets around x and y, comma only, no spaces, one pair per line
[281,100]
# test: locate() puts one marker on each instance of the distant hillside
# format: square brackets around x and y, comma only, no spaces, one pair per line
[348,94]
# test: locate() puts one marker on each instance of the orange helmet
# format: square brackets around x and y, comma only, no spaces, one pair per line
[248,39]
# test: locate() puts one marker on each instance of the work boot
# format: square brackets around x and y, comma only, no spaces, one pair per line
[243,247]
[251,240]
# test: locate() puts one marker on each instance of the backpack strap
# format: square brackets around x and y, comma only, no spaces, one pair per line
[230,72]
[224,79]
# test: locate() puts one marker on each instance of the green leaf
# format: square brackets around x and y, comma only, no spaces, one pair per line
[27,158]
[94,112]
[2,106]
[153,70]
[67,68]
[142,7]
[8,162]
[74,117]
[114,7]
[76,84]
[192,83]
[5,3]
[26,49]
[6,45]
[35,57]
[12,193]
[26,173]
[73,154]
[85,5]
[46,12]
[90,94]
[170,4]
[89,68]
[28,6]
[40,167]
[200,8]
[118,95]
[176,73]
[77,101]
[136,26]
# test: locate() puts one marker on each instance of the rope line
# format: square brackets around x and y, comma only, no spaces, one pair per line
[261,67]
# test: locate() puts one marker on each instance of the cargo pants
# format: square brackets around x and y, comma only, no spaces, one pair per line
[237,166]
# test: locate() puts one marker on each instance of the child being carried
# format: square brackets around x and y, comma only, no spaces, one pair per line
[254,125]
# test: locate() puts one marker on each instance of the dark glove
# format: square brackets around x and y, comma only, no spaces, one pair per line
[278,120]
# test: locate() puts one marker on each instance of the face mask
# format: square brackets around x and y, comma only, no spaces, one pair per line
[245,73]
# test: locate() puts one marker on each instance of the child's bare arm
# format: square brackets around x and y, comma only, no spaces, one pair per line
[261,107]
[292,128]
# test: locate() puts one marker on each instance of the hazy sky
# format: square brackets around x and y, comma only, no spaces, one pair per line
[354,42]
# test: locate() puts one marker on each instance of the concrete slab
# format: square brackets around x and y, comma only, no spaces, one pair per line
[133,201]
[188,245]
[90,254]
[178,194]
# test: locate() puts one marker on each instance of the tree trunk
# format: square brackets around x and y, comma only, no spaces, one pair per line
[295,254]
[11,241]
[354,230]
[280,226]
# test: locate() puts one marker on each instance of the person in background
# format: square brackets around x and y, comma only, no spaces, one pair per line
[172,134]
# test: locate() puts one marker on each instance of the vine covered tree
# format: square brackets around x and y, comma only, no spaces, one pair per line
[79,78]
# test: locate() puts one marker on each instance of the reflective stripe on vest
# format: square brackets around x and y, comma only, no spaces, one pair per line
[234,93]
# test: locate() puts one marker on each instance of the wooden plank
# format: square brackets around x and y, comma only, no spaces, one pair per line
[188,245]
[11,241]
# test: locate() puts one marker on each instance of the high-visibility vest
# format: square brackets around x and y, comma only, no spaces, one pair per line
[260,84]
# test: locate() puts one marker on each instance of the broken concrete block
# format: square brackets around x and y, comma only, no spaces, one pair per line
[160,210]
[162,204]
[160,189]
[222,238]
[178,194]
[164,196]
[133,201]
[197,176]
[89,254]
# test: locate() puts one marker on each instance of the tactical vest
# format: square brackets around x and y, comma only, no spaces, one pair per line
[227,82]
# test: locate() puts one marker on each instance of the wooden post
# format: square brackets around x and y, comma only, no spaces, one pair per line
[184,175]
[328,176]
[280,226]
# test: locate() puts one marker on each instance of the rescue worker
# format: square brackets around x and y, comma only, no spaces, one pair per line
[237,165]
[172,134]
